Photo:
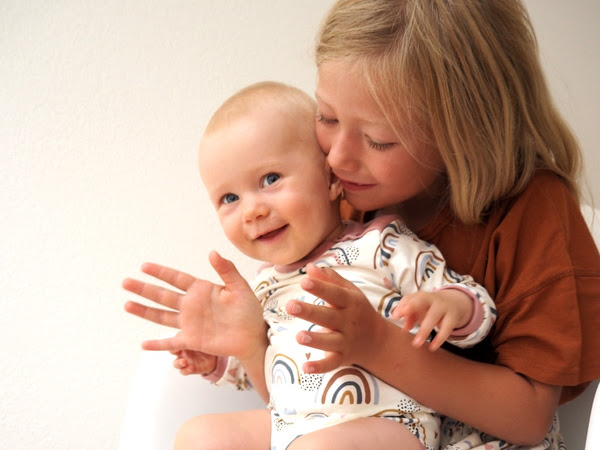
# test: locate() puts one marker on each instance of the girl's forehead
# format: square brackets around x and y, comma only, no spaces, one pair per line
[338,83]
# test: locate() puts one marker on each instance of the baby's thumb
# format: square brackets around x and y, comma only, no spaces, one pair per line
[226,270]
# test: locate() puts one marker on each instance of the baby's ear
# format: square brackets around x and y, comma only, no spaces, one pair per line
[335,187]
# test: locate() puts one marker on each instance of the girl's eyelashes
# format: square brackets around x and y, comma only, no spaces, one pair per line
[325,120]
[270,178]
[375,145]
[229,198]
[379,146]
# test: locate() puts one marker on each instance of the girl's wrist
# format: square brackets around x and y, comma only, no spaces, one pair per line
[384,333]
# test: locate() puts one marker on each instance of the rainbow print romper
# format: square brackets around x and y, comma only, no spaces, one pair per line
[385,260]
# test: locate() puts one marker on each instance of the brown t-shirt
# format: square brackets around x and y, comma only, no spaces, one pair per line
[537,259]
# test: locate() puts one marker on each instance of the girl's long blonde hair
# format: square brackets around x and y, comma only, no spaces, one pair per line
[464,76]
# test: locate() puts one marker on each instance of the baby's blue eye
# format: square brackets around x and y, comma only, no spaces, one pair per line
[270,179]
[229,198]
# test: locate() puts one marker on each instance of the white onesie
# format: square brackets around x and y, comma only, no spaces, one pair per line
[385,260]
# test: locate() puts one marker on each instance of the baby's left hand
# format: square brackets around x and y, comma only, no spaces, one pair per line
[444,310]
[193,362]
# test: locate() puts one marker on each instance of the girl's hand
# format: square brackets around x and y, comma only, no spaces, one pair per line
[445,310]
[217,320]
[190,362]
[352,328]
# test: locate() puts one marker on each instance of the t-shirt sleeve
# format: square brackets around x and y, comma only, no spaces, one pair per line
[547,271]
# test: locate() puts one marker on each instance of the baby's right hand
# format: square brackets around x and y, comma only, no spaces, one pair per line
[193,362]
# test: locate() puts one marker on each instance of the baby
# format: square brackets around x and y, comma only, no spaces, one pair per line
[278,202]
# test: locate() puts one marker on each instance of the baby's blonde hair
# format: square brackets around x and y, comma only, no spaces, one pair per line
[291,101]
[465,77]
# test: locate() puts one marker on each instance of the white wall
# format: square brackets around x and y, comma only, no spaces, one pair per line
[101,108]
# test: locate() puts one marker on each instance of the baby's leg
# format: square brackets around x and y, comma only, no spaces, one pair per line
[368,432]
[241,429]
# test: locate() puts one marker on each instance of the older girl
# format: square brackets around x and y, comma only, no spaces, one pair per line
[439,111]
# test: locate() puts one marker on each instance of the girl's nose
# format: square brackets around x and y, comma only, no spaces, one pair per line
[343,151]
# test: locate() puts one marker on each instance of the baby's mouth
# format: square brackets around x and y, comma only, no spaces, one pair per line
[272,234]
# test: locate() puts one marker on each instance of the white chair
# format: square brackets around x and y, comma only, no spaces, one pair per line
[161,399]
[593,432]
[576,420]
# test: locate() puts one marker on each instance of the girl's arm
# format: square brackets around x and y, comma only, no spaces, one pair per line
[492,398]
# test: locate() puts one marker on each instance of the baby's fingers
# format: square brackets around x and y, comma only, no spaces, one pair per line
[167,344]
[445,329]
[183,366]
[175,278]
[156,315]
[228,272]
[180,363]
[426,326]
[410,306]
[157,294]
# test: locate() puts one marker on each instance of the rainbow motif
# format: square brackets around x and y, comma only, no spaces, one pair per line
[284,370]
[348,385]
[389,240]
[387,303]
[426,265]
[316,415]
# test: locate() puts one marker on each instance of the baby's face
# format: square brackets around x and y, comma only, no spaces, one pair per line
[271,187]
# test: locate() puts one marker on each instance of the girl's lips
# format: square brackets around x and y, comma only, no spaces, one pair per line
[353,187]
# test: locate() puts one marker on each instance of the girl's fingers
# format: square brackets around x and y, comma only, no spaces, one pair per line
[175,278]
[330,286]
[152,292]
[329,341]
[160,316]
[331,362]
[323,316]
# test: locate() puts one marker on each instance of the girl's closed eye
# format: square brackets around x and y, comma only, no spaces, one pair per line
[326,120]
[229,198]
[380,145]
[270,178]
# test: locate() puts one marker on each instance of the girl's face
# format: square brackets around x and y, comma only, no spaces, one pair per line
[363,150]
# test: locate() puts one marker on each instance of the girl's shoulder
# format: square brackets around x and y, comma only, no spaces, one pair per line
[546,186]
[546,202]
